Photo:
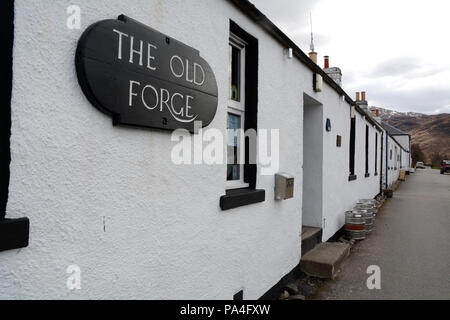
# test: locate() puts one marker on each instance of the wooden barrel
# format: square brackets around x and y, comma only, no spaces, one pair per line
[355,225]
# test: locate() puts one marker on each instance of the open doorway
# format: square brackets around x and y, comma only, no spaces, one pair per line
[313,127]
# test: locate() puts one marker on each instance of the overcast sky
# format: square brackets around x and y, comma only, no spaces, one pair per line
[398,51]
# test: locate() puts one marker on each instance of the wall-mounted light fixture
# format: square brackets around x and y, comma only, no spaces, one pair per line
[328,125]
[290,53]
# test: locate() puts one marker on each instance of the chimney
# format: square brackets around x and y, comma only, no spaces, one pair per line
[334,73]
[326,62]
[362,103]
[376,115]
[313,56]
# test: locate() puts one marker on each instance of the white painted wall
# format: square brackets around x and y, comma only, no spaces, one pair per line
[340,194]
[110,200]
[404,141]
[405,160]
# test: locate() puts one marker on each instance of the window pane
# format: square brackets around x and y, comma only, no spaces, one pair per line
[235,73]
[233,167]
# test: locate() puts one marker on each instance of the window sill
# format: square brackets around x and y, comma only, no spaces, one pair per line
[352,177]
[14,233]
[367,175]
[234,198]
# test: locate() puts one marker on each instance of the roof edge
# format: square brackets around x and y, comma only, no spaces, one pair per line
[258,17]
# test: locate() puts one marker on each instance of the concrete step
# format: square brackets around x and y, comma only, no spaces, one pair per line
[311,236]
[325,259]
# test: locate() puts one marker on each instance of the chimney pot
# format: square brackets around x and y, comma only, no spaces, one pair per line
[363,96]
[313,56]
[377,112]
[326,62]
[357,96]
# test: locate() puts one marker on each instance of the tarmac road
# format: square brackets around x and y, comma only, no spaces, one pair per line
[410,243]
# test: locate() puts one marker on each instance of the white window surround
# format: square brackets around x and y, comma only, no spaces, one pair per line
[237,107]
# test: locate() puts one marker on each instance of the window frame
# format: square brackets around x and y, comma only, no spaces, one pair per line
[239,197]
[237,107]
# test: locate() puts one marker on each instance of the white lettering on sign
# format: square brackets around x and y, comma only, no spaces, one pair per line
[136,52]
[178,104]
[130,100]
[149,56]
[178,66]
[143,99]
[141,77]
[184,66]
[133,51]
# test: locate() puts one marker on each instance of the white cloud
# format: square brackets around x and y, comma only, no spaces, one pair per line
[393,49]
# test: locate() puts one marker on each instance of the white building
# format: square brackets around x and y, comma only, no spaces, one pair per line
[403,140]
[109,200]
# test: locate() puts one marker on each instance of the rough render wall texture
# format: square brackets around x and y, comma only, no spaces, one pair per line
[109,199]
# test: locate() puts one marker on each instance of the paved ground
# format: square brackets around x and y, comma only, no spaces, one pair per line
[410,244]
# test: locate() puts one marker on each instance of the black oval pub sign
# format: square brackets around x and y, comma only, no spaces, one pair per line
[144,78]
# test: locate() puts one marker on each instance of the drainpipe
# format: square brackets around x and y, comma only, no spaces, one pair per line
[409,154]
[387,157]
